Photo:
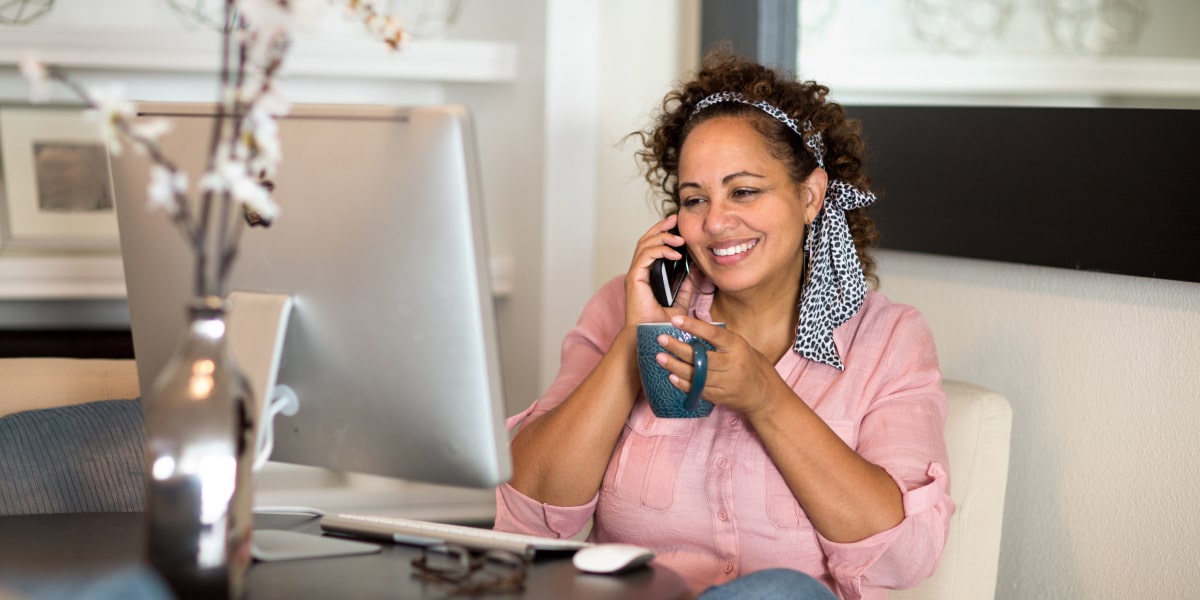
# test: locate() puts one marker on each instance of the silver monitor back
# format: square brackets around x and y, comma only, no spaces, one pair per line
[391,344]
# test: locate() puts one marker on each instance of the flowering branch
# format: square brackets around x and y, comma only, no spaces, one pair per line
[235,189]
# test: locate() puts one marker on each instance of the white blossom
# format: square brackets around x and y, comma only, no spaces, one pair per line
[264,16]
[232,176]
[165,189]
[219,179]
[274,102]
[36,76]
[272,17]
[377,24]
[256,197]
[152,129]
[110,108]
[263,132]
[394,34]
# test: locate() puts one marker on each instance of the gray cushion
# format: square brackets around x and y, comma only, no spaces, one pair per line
[78,458]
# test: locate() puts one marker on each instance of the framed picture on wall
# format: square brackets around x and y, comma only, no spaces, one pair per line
[55,188]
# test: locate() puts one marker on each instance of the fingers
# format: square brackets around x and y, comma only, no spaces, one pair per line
[660,241]
[656,243]
[665,225]
[716,335]
[679,356]
[684,385]
[679,360]
[681,371]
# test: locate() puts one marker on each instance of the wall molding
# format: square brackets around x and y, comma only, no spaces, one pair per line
[103,277]
[892,77]
[61,277]
[327,55]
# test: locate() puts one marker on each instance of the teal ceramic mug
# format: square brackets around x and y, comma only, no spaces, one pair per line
[666,400]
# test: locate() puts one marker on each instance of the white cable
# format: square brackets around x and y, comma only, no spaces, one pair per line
[283,400]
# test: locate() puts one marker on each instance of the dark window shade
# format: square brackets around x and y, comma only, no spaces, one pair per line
[1108,190]
[81,343]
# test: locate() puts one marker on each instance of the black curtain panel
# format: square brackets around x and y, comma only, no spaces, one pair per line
[1096,189]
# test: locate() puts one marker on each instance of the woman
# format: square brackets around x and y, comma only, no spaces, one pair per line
[822,466]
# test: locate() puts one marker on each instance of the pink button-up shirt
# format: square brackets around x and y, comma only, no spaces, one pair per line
[704,494]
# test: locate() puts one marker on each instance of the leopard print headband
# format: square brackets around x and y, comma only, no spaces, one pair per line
[836,287]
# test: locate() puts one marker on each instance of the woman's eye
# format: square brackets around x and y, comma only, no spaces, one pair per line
[744,192]
[692,201]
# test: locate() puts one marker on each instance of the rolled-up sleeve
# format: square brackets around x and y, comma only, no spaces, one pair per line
[518,513]
[902,431]
[902,556]
[582,349]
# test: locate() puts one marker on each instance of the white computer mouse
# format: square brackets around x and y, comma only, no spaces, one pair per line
[611,558]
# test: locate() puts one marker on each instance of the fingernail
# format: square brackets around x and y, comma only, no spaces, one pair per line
[677,320]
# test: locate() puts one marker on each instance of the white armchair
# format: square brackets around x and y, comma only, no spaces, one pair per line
[36,383]
[70,436]
[978,429]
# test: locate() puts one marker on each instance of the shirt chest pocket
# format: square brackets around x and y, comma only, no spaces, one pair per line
[783,510]
[648,457]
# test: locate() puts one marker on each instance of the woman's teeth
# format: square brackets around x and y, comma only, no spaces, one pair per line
[738,249]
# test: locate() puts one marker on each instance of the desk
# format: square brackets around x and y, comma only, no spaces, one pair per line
[98,541]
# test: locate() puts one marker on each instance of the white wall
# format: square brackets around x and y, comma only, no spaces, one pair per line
[634,78]
[1102,374]
[511,125]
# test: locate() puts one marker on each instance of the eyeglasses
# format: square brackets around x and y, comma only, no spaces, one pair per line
[461,572]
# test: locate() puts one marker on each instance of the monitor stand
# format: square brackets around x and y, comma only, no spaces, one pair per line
[272,545]
[257,327]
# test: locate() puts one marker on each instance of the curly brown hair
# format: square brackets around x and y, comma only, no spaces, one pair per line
[803,101]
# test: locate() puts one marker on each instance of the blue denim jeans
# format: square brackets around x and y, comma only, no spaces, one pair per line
[126,583]
[771,584]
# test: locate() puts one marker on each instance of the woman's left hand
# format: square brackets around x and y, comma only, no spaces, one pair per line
[739,376]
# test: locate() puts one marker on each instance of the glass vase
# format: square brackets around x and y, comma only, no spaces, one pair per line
[199,452]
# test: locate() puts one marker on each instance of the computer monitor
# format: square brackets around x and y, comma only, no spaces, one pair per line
[380,251]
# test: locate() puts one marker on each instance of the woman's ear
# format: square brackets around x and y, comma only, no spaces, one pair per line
[813,192]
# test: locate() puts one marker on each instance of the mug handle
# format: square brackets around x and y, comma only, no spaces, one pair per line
[699,375]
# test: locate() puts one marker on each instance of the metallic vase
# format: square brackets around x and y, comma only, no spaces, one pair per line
[199,455]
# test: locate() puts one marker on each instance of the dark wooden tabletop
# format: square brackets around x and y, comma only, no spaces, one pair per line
[98,542]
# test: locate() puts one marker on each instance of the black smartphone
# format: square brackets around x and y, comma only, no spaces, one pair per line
[666,276]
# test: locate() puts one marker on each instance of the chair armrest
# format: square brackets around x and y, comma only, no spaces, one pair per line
[35,383]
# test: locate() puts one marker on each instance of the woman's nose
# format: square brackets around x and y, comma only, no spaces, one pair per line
[720,218]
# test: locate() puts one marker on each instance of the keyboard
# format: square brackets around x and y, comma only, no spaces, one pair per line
[426,533]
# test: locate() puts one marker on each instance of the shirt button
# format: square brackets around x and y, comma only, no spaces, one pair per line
[722,463]
[722,515]
[728,567]
[733,420]
[648,425]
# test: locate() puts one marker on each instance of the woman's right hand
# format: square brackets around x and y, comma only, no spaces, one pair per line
[640,304]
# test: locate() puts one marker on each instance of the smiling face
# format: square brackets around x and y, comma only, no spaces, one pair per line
[742,214]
